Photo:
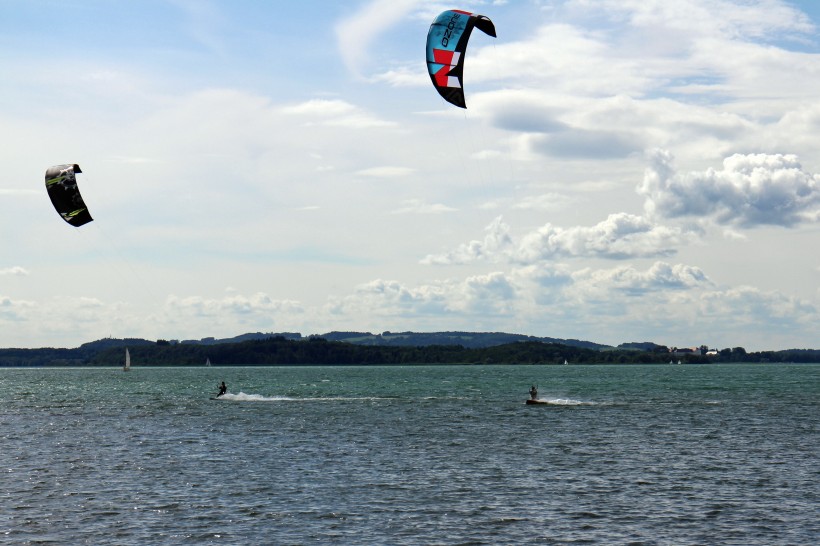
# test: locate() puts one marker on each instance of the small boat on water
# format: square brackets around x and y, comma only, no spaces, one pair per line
[208,362]
[127,366]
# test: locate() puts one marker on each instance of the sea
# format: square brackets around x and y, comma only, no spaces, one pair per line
[411,455]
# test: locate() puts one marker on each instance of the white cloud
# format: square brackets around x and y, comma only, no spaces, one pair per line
[628,280]
[322,108]
[620,236]
[489,294]
[252,158]
[750,190]
[233,304]
[355,35]
[415,206]
[386,172]
[234,312]
[407,76]
[335,112]
[673,304]
[382,298]
[477,296]
[544,202]
[496,243]
[719,17]
[16,270]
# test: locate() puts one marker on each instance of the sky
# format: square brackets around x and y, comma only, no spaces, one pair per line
[624,171]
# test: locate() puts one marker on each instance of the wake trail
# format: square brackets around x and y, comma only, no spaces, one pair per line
[243,397]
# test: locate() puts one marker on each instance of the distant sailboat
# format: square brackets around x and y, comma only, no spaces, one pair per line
[127,366]
[208,362]
[565,362]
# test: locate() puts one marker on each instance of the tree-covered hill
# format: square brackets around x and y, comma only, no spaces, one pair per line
[317,350]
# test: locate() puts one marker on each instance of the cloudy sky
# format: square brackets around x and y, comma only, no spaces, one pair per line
[625,170]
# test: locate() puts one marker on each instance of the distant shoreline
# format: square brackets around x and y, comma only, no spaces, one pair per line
[317,351]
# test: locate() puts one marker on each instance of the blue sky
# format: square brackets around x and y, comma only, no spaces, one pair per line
[625,171]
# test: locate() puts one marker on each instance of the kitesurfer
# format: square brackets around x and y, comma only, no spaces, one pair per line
[222,389]
[533,392]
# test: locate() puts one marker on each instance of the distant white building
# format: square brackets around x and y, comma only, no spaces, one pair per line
[702,350]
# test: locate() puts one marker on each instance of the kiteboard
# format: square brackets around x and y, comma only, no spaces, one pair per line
[537,402]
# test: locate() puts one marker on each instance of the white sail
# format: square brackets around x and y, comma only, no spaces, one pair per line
[127,366]
[207,361]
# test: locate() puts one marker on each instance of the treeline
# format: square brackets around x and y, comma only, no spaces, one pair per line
[276,351]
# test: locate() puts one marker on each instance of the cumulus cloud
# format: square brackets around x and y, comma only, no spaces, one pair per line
[16,270]
[13,310]
[492,294]
[628,280]
[674,304]
[750,190]
[391,298]
[496,242]
[190,316]
[753,306]
[259,304]
[66,317]
[620,236]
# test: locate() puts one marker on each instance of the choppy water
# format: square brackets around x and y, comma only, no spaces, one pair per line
[411,455]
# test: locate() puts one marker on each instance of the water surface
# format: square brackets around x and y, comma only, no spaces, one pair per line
[660,454]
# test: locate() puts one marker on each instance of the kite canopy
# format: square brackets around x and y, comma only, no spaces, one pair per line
[446,44]
[61,184]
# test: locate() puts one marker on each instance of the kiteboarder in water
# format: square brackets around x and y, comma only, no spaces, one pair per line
[533,392]
[222,389]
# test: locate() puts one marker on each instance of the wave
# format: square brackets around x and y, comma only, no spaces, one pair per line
[565,402]
[243,397]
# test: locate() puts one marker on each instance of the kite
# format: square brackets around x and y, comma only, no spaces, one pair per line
[446,44]
[61,183]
